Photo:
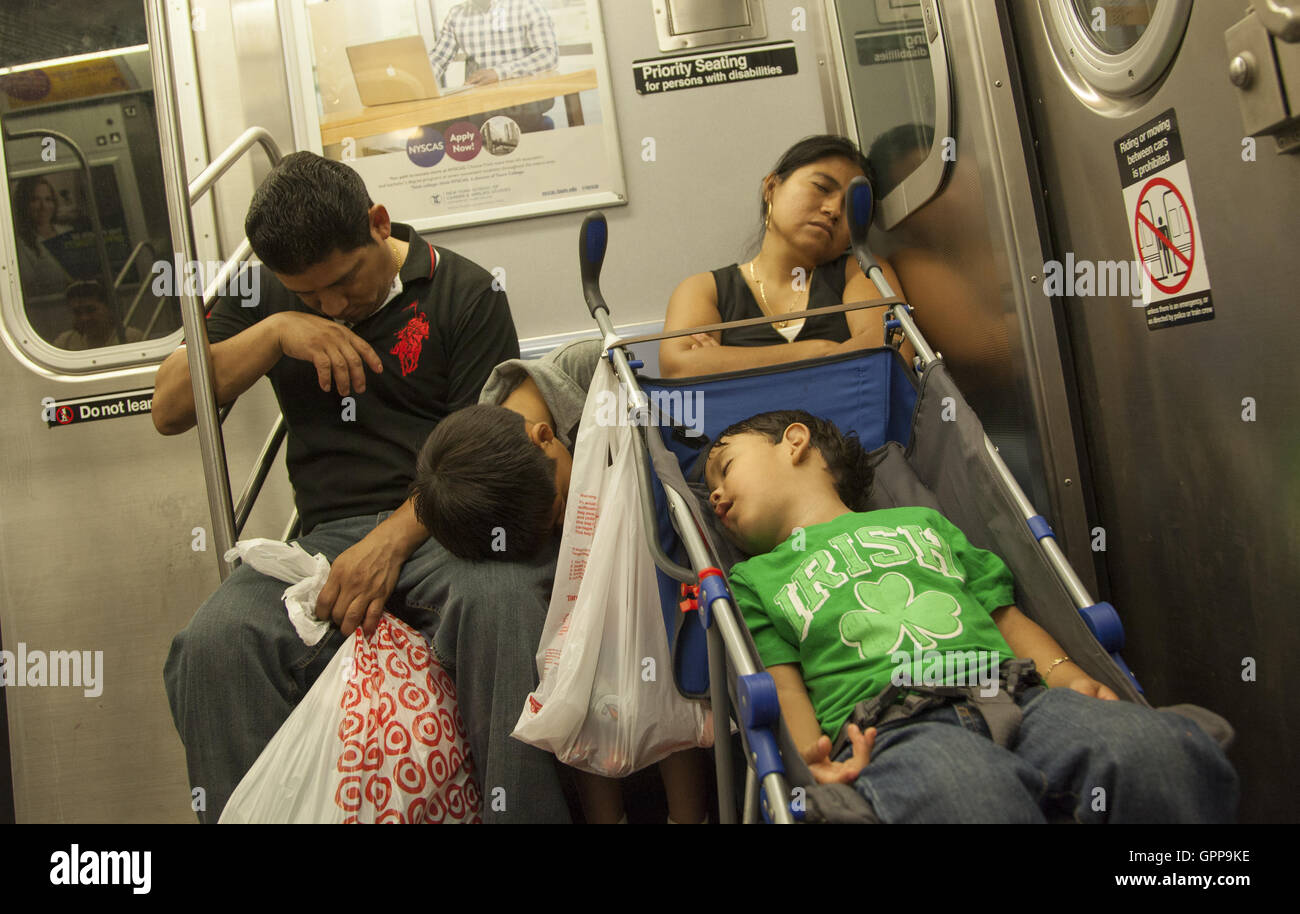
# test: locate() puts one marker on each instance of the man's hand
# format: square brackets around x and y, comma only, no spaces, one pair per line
[360,582]
[483,77]
[340,356]
[829,772]
[703,341]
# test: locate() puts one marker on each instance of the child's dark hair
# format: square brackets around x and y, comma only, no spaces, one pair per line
[307,208]
[845,457]
[478,476]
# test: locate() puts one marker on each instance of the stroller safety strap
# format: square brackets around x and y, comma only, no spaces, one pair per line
[1000,712]
[611,340]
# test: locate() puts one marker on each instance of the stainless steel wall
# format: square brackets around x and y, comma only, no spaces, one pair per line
[1201,509]
[970,260]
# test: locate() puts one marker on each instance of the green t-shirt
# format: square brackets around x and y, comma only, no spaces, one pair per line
[871,594]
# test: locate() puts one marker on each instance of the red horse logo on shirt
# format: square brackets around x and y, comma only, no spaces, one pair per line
[410,339]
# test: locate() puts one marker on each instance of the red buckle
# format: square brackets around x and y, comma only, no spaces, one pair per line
[691,592]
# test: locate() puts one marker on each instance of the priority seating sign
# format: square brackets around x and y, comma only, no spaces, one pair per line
[1163,228]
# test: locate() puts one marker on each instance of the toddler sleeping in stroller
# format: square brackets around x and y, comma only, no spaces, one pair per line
[847,606]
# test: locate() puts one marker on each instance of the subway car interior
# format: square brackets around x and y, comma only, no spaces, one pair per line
[1067,219]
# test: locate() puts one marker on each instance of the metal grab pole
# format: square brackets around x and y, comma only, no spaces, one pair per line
[211,446]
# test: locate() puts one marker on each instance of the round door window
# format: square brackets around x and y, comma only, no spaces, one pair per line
[1118,48]
[1115,25]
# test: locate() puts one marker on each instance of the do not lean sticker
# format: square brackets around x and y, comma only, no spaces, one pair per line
[1164,231]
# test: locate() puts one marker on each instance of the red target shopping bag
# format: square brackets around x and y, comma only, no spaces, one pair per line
[377,739]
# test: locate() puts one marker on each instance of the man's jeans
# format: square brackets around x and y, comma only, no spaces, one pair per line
[1075,756]
[239,668]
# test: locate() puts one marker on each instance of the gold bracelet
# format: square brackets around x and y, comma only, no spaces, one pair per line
[1055,663]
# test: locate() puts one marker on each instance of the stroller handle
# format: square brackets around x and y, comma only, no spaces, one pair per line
[592,241]
[857,212]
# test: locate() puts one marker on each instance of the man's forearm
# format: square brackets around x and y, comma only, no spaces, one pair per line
[237,363]
[403,530]
[538,61]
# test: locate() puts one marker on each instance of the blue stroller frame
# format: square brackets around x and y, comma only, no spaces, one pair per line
[927,447]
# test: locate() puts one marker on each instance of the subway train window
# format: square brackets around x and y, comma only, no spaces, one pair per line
[81,162]
[1115,25]
[897,97]
[1115,49]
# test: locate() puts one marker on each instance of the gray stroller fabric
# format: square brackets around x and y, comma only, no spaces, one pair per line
[947,468]
[950,459]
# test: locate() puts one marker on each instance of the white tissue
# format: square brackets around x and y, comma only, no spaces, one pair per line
[305,573]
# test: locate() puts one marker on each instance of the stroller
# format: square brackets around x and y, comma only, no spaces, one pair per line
[927,448]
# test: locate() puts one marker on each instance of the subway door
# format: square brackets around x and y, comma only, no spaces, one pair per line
[1186,365]
[106,546]
[927,90]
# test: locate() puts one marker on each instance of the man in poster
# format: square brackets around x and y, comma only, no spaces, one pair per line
[501,39]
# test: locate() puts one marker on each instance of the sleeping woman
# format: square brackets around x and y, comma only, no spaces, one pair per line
[803,262]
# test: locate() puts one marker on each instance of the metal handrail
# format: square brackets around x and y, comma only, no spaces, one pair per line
[121,275]
[157,313]
[261,469]
[135,303]
[179,199]
[144,283]
[221,164]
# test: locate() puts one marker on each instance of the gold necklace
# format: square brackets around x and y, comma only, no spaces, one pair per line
[767,309]
[397,259]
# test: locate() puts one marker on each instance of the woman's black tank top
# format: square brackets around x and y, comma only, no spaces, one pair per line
[736,302]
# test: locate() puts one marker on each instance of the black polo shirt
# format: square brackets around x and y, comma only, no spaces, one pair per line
[438,341]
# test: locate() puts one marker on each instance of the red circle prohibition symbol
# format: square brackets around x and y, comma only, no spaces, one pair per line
[1161,238]
[63,415]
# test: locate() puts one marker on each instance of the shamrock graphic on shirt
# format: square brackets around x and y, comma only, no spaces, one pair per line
[892,611]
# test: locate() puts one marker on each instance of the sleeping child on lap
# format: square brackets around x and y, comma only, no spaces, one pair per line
[842,604]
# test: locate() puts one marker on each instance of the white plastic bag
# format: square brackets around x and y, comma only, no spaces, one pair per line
[606,702]
[306,575]
[376,739]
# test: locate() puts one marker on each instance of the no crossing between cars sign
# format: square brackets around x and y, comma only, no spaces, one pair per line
[1166,236]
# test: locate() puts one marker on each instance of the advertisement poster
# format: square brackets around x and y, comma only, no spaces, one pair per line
[459,112]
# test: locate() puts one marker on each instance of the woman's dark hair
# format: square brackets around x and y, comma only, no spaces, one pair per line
[25,189]
[307,208]
[847,460]
[808,150]
[479,476]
